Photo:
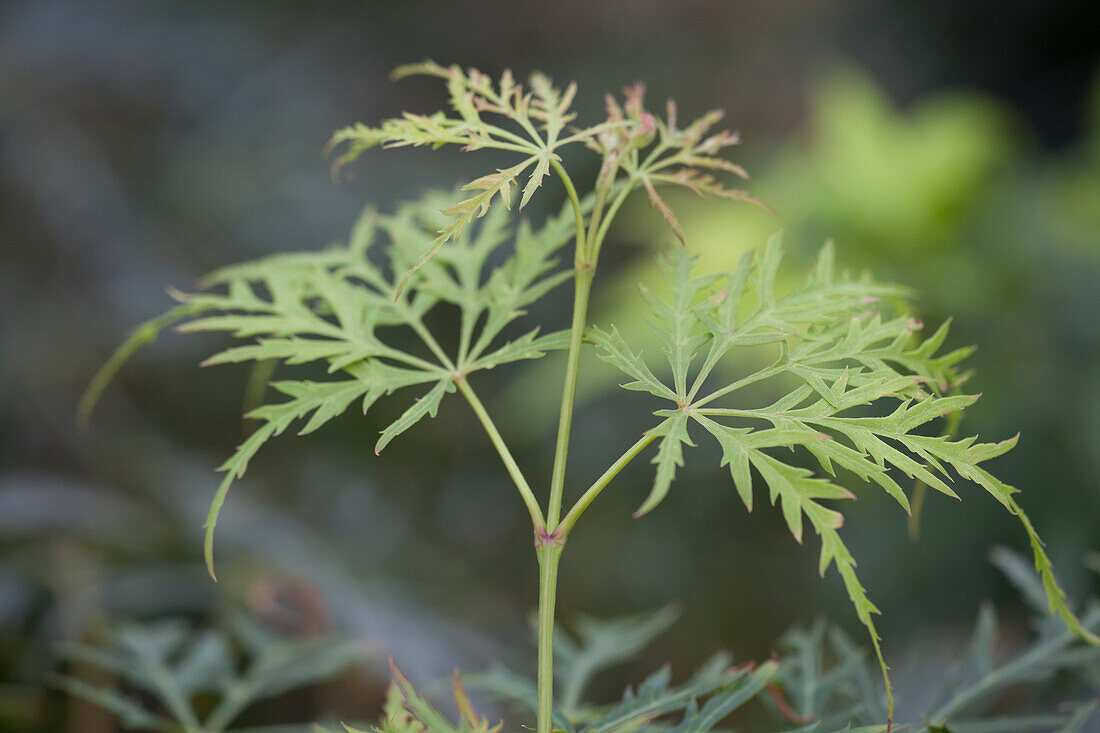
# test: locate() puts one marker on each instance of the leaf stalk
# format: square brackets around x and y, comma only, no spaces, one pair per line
[594,490]
[514,471]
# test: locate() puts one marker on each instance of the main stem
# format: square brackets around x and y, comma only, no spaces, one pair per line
[585,271]
[550,541]
[549,553]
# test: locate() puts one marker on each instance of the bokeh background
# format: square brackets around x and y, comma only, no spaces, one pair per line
[951,146]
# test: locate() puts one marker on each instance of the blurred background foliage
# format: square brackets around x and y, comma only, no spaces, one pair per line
[949,148]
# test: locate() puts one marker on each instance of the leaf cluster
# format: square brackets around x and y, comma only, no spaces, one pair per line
[539,113]
[695,705]
[861,387]
[408,711]
[826,677]
[165,667]
[859,393]
[820,679]
[344,309]
[654,152]
[637,148]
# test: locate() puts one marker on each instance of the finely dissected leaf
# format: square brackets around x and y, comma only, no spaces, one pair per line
[129,711]
[426,405]
[528,346]
[673,435]
[820,680]
[172,663]
[831,696]
[407,711]
[599,644]
[852,359]
[732,696]
[656,697]
[474,97]
[493,184]
[614,351]
[532,122]
[970,688]
[664,209]
[678,157]
[676,323]
[337,308]
[542,167]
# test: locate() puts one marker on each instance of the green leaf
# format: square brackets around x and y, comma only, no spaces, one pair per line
[172,663]
[144,334]
[979,680]
[673,436]
[675,322]
[528,346]
[853,360]
[424,406]
[599,644]
[407,711]
[721,704]
[476,99]
[832,696]
[614,350]
[129,712]
[655,697]
[338,307]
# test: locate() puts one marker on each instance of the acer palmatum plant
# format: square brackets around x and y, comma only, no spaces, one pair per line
[866,380]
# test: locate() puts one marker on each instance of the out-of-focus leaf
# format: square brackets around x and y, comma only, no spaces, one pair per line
[599,644]
[173,663]
[407,711]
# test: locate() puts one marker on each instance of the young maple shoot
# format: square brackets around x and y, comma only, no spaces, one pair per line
[865,384]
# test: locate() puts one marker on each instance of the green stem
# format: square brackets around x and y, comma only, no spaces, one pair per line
[574,201]
[549,541]
[466,332]
[413,361]
[605,225]
[501,132]
[549,553]
[505,455]
[743,382]
[594,490]
[582,283]
[584,271]
[920,492]
[429,340]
